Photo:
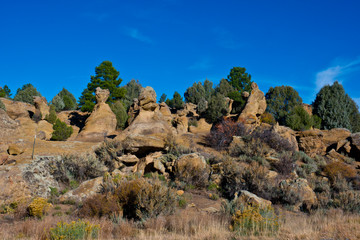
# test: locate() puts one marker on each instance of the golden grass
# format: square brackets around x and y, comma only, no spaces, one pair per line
[197,225]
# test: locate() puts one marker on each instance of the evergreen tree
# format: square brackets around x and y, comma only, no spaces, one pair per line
[5,92]
[298,119]
[133,89]
[195,93]
[224,88]
[26,94]
[216,108]
[334,107]
[106,77]
[120,113]
[240,80]
[176,102]
[355,117]
[64,100]
[61,131]
[281,101]
[162,98]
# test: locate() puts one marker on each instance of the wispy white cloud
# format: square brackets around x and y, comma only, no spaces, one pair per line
[202,64]
[136,34]
[337,72]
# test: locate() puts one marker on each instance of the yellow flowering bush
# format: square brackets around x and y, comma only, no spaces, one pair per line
[38,207]
[253,220]
[74,230]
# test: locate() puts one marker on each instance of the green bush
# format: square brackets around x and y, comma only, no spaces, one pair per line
[298,119]
[120,113]
[2,106]
[26,94]
[74,230]
[51,117]
[61,131]
[145,198]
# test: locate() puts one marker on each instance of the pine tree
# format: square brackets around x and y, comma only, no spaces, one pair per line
[106,77]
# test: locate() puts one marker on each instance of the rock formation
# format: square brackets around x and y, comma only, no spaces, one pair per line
[8,127]
[41,106]
[102,120]
[255,106]
[17,110]
[150,128]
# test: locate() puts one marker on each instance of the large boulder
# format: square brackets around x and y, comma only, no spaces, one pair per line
[147,99]
[102,120]
[187,162]
[255,105]
[301,187]
[317,142]
[18,109]
[288,134]
[250,198]
[8,127]
[202,127]
[86,189]
[41,106]
[149,128]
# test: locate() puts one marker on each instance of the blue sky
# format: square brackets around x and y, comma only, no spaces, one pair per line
[170,44]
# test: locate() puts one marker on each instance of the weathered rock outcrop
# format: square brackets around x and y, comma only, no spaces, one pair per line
[8,127]
[18,109]
[149,129]
[355,141]
[86,189]
[202,127]
[102,120]
[288,134]
[316,142]
[255,106]
[41,106]
[250,198]
[301,187]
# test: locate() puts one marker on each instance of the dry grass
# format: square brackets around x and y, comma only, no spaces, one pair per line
[191,224]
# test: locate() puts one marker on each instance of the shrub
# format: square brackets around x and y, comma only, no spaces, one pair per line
[273,140]
[334,169]
[253,220]
[74,230]
[58,103]
[286,164]
[120,113]
[348,201]
[26,94]
[51,117]
[38,207]
[253,178]
[299,119]
[108,152]
[2,106]
[175,149]
[99,206]
[61,131]
[77,167]
[221,135]
[267,118]
[144,198]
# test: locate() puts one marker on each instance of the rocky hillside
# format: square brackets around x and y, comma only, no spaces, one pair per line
[170,157]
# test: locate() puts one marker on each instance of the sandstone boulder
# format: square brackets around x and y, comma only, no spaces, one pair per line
[15,149]
[18,109]
[85,190]
[301,187]
[41,106]
[355,141]
[288,134]
[316,141]
[250,198]
[165,110]
[102,120]
[46,128]
[190,109]
[202,127]
[147,99]
[8,127]
[255,105]
[190,162]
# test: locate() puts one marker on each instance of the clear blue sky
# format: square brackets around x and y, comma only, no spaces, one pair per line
[169,44]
